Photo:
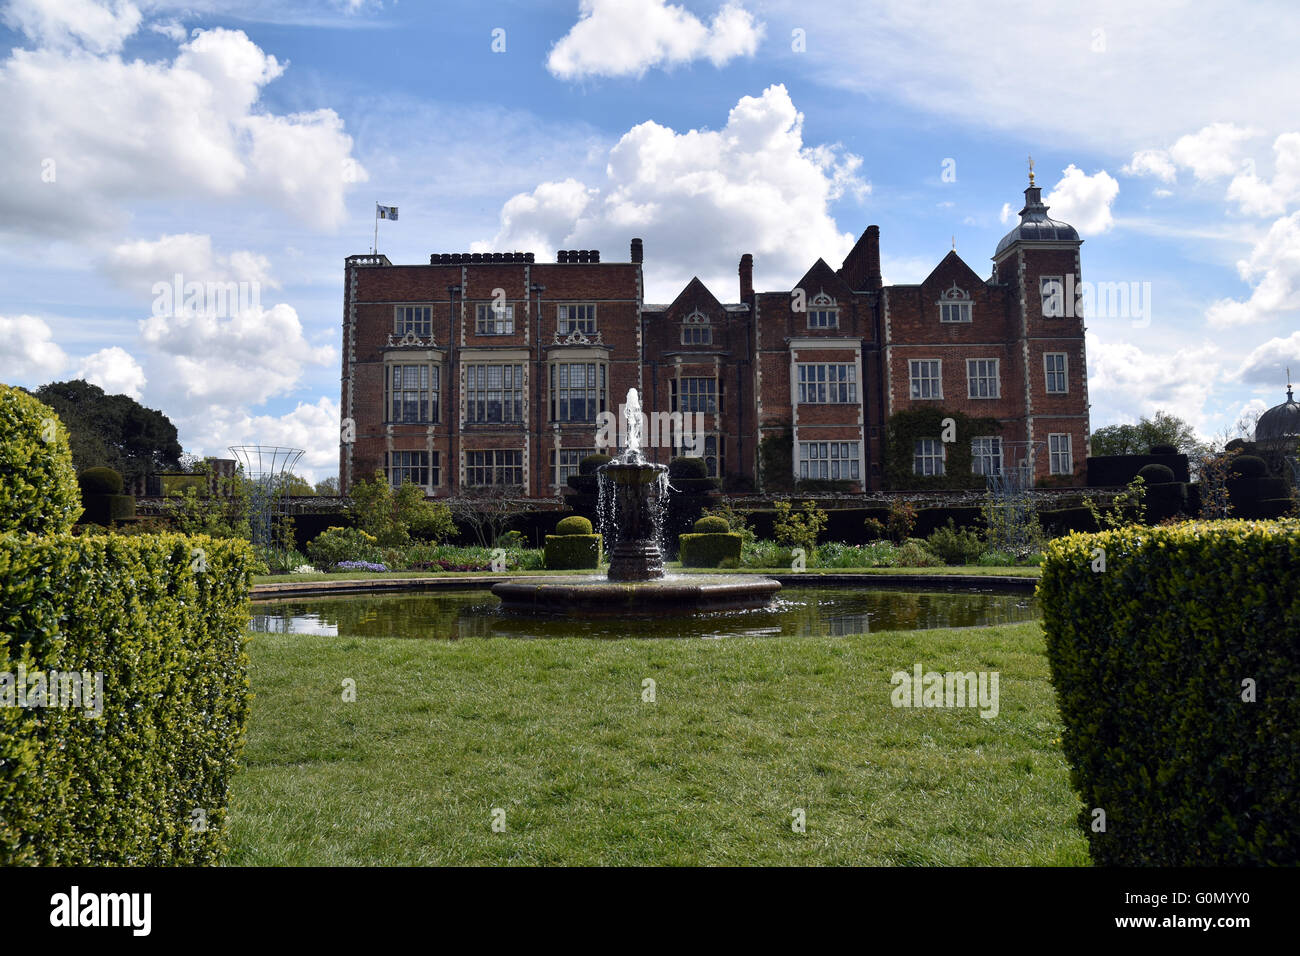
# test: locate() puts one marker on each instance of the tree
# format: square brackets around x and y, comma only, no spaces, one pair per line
[489,510]
[112,430]
[293,485]
[1160,429]
[392,516]
[328,487]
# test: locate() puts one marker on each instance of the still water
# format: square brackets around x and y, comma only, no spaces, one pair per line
[799,612]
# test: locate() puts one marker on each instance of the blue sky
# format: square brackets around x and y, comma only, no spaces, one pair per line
[249,141]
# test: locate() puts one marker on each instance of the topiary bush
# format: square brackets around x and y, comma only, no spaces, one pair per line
[1162,450]
[130,762]
[38,484]
[1249,466]
[712,524]
[573,552]
[1165,500]
[592,463]
[1177,673]
[574,524]
[102,498]
[684,467]
[100,481]
[1154,474]
[709,550]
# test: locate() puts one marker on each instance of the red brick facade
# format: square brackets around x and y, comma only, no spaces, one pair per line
[492,368]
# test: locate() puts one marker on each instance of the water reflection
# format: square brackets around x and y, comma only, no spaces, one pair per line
[801,612]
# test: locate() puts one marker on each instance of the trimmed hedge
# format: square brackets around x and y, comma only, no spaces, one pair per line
[686,467]
[592,463]
[709,550]
[1155,474]
[1164,500]
[1114,470]
[107,509]
[38,485]
[169,639]
[712,524]
[100,481]
[574,524]
[572,552]
[1149,658]
[1249,466]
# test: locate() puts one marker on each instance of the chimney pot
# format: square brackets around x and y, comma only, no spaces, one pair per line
[637,250]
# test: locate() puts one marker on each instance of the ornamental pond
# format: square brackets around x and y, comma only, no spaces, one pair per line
[796,612]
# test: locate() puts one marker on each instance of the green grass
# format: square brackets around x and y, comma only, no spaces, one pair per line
[556,734]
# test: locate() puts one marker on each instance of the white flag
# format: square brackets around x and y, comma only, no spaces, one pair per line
[386,212]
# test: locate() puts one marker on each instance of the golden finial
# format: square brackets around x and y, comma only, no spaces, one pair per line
[1031,170]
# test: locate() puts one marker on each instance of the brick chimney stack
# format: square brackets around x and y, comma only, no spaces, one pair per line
[746,277]
[637,252]
[873,257]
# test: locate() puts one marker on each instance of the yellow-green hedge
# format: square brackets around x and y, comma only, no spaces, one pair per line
[708,550]
[1149,657]
[164,618]
[38,485]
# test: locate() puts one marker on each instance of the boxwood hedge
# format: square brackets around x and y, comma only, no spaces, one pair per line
[709,550]
[572,552]
[38,485]
[164,619]
[1154,659]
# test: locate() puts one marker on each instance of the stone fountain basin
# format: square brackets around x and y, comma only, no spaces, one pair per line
[676,595]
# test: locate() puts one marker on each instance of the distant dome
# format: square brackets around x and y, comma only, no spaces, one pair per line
[1035,226]
[1280,423]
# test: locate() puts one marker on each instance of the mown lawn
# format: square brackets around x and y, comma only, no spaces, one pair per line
[555,733]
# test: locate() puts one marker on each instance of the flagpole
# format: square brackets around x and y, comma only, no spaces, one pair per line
[374,250]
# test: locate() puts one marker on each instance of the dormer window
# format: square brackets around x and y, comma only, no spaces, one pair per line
[823,313]
[954,305]
[697,329]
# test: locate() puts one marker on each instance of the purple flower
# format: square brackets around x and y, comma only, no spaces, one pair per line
[359,566]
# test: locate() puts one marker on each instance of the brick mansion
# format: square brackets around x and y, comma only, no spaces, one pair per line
[491,369]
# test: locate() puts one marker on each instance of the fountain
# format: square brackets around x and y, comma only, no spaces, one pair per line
[633,493]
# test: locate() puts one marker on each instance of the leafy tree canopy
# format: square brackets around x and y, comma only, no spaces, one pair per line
[112,430]
[1160,429]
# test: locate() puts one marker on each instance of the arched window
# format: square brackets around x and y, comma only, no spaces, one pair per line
[954,305]
[823,312]
[697,329]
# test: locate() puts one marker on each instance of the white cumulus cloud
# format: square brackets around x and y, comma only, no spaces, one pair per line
[1268,363]
[627,37]
[114,370]
[699,199]
[1151,162]
[101,28]
[1273,268]
[241,360]
[86,134]
[1260,197]
[1084,201]
[28,350]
